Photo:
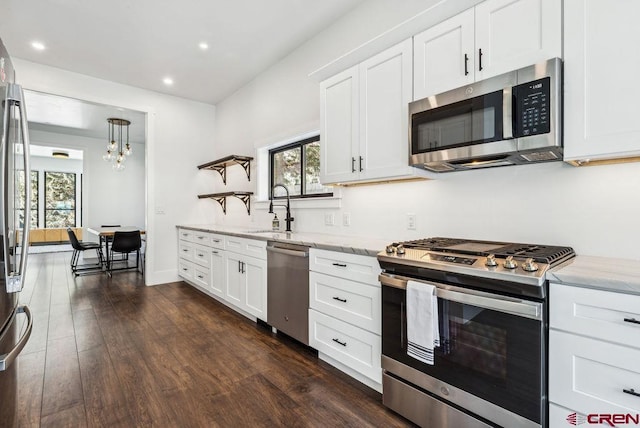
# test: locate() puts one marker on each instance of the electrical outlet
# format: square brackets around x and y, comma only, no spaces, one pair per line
[411,221]
[346,219]
[329,219]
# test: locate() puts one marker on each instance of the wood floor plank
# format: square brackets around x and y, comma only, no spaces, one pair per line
[110,352]
[30,375]
[62,383]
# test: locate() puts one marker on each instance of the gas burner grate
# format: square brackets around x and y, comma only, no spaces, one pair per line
[548,254]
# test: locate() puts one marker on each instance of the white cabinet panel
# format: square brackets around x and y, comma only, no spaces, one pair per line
[353,302]
[601,67]
[596,313]
[235,284]
[495,37]
[352,346]
[255,283]
[217,272]
[516,33]
[443,56]
[201,255]
[364,120]
[185,250]
[339,106]
[590,376]
[349,266]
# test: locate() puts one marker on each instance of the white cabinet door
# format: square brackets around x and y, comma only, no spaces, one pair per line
[512,34]
[385,92]
[592,376]
[254,273]
[443,56]
[235,280]
[339,104]
[217,275]
[601,92]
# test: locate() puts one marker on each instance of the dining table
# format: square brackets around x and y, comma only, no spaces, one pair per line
[105,235]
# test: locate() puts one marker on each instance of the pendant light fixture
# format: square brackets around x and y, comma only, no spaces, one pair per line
[116,151]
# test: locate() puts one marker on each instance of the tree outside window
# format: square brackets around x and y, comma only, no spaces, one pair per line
[60,199]
[21,198]
[297,167]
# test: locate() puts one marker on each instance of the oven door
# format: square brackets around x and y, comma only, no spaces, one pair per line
[491,361]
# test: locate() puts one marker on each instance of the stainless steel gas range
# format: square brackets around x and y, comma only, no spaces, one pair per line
[488,367]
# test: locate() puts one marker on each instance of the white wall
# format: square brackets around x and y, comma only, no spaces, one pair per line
[179,136]
[593,209]
[110,197]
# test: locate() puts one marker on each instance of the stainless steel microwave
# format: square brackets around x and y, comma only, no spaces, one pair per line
[514,118]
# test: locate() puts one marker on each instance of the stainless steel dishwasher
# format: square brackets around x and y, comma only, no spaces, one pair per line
[288,289]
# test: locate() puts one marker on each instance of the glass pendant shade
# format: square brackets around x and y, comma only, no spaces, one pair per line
[118,145]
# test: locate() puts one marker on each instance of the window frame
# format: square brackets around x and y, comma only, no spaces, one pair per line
[75,197]
[303,159]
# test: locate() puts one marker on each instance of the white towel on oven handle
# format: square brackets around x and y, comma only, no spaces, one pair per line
[422,321]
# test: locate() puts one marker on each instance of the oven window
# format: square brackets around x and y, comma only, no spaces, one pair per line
[491,354]
[473,121]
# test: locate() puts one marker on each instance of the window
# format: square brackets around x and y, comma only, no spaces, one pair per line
[60,199]
[34,198]
[297,167]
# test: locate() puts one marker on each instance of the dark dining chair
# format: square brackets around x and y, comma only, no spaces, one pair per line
[125,242]
[79,247]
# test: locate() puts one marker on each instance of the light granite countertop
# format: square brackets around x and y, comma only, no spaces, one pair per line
[604,273]
[344,244]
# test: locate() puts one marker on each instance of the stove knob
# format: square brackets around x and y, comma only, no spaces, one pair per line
[390,249]
[529,265]
[400,249]
[491,261]
[509,263]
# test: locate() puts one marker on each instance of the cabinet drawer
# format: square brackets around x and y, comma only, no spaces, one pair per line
[349,266]
[350,301]
[352,346]
[589,375]
[217,241]
[201,276]
[596,313]
[201,255]
[248,247]
[185,235]
[185,250]
[186,269]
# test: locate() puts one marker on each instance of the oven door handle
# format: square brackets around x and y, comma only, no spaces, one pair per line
[510,305]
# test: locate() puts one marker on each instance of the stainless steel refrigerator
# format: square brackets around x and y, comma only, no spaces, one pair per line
[15,203]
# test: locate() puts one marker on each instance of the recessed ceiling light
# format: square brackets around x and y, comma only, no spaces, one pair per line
[38,46]
[203,45]
[167,81]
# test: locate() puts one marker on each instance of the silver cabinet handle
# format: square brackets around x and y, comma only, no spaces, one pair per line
[8,358]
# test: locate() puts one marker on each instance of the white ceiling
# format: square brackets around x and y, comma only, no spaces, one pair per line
[62,115]
[141,42]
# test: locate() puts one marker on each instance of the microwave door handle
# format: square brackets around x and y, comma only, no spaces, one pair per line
[507,113]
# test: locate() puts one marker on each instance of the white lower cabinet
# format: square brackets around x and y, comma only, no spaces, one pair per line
[350,345]
[345,313]
[232,269]
[594,354]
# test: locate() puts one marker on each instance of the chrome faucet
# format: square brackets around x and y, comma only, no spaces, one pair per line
[288,219]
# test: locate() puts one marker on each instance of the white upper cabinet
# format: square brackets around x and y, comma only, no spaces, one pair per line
[444,56]
[495,37]
[601,92]
[364,119]
[339,109]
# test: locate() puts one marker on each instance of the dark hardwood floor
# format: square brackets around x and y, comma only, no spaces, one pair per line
[112,352]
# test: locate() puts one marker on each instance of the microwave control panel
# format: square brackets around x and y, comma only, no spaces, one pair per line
[531,115]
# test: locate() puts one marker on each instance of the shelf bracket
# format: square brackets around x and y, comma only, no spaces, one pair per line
[222,200]
[246,165]
[222,170]
[246,198]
